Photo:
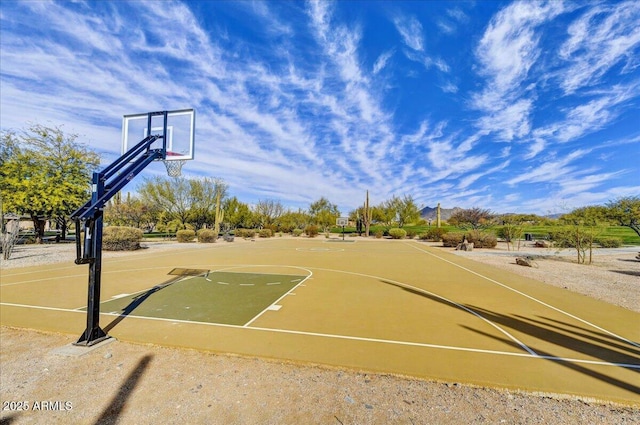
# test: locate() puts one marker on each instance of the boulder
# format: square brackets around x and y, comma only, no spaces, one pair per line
[526,261]
[465,246]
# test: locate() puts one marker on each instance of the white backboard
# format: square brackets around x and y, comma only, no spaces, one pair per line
[180,132]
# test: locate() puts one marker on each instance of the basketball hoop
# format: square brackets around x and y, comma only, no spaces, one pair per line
[174,166]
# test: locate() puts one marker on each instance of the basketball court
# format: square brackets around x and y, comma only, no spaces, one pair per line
[383,306]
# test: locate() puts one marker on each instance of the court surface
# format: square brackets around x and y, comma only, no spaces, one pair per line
[384,306]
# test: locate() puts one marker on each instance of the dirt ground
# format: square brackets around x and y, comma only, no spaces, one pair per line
[143,384]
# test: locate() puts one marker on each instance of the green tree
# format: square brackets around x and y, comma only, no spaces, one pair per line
[267,212]
[407,210]
[205,194]
[475,218]
[133,212]
[323,213]
[590,216]
[293,220]
[626,212]
[190,201]
[171,195]
[237,214]
[45,173]
[386,213]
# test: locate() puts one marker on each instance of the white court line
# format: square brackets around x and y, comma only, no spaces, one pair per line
[355,338]
[289,292]
[141,291]
[43,279]
[468,310]
[112,260]
[529,297]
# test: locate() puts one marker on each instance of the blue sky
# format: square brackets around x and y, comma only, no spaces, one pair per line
[509,106]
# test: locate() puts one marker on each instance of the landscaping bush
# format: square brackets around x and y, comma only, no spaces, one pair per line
[185,235]
[297,232]
[379,234]
[207,236]
[609,242]
[482,239]
[245,233]
[115,238]
[411,234]
[452,239]
[433,234]
[265,233]
[397,233]
[311,230]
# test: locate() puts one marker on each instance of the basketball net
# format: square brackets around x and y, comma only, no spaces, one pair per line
[174,166]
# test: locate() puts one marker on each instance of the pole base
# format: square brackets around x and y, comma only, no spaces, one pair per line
[91,337]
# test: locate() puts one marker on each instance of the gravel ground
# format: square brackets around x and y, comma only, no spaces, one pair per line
[144,384]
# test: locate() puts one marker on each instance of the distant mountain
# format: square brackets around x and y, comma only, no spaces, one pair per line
[429,213]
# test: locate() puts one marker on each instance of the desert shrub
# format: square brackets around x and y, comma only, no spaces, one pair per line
[311,230]
[510,232]
[411,234]
[117,238]
[207,236]
[433,234]
[397,233]
[609,242]
[452,239]
[265,233]
[245,233]
[577,237]
[572,237]
[482,239]
[379,234]
[185,235]
[297,232]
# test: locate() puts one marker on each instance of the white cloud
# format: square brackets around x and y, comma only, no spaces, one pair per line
[507,52]
[510,121]
[604,36]
[449,87]
[551,170]
[411,31]
[382,60]
[591,116]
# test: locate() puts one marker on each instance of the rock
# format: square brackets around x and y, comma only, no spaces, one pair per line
[465,246]
[526,261]
[542,244]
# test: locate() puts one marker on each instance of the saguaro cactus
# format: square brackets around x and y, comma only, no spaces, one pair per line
[367,216]
[219,212]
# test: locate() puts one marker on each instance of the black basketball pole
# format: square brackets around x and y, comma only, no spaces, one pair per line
[105,185]
[93,244]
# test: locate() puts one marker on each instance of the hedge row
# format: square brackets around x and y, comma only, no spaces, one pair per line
[478,238]
[116,238]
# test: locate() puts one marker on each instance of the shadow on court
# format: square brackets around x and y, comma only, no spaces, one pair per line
[568,336]
[572,365]
[137,301]
[111,414]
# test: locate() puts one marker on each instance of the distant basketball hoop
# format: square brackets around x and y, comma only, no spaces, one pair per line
[174,166]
